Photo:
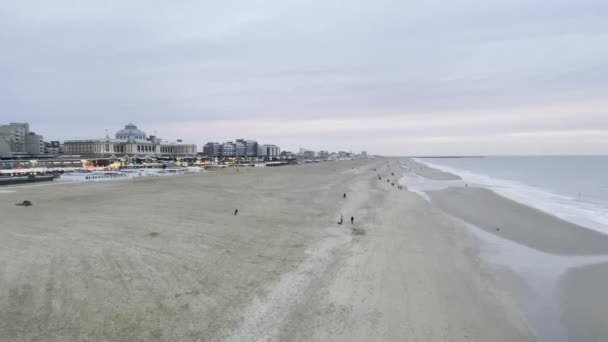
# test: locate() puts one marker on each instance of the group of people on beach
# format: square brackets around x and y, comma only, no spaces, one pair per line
[352,218]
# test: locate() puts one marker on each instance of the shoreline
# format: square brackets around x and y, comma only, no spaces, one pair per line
[538,198]
[546,262]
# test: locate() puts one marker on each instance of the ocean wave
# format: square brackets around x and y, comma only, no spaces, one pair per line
[590,215]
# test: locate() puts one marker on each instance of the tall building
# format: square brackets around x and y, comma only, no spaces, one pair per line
[228,149]
[34,143]
[212,149]
[5,144]
[240,148]
[251,147]
[129,141]
[16,138]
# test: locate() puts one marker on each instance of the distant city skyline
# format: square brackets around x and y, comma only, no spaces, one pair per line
[393,78]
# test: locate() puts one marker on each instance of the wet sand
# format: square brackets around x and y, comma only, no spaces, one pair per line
[518,222]
[165,259]
[585,303]
[578,305]
[431,173]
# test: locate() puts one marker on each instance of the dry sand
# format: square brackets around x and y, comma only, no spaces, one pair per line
[165,259]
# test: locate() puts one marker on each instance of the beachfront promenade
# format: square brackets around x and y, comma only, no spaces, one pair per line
[166,259]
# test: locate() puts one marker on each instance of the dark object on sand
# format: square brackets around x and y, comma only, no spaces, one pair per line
[392,173]
[392,184]
[341,220]
[344,196]
[497,229]
[24,203]
[380,178]
[388,180]
[352,220]
[236,211]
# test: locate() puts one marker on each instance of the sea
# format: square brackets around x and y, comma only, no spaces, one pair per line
[573,188]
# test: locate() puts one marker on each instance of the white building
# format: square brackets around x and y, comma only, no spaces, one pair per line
[129,141]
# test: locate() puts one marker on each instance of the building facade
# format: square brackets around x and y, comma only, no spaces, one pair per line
[228,149]
[16,138]
[130,142]
[53,148]
[212,149]
[269,151]
[34,143]
[240,149]
[251,147]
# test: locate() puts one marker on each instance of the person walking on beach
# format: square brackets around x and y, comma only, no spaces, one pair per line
[236,211]
[344,196]
[352,220]
[341,220]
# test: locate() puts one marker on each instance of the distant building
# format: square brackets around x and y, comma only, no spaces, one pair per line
[228,149]
[269,151]
[240,149]
[34,144]
[251,147]
[323,154]
[308,154]
[129,141]
[16,138]
[53,148]
[343,154]
[287,155]
[212,149]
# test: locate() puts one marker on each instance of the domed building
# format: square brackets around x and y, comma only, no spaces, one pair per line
[131,142]
[131,133]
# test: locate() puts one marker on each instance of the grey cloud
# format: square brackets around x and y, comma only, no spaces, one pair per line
[67,66]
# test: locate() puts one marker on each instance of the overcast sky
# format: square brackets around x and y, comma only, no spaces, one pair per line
[390,77]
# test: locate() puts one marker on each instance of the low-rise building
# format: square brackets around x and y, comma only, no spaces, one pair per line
[130,142]
[269,151]
[53,148]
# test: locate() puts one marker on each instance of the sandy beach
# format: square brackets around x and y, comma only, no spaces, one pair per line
[165,259]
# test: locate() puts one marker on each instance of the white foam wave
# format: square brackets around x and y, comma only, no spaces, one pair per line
[590,215]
